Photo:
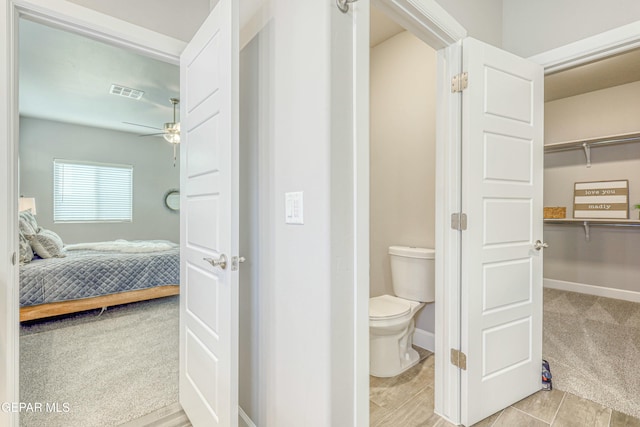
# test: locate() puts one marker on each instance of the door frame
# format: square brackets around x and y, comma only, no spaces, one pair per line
[71,17]
[428,21]
[432,24]
[92,24]
[86,22]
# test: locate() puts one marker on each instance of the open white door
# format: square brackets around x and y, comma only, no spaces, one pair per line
[209,221]
[502,171]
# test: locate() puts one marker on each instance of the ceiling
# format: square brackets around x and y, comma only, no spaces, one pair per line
[609,72]
[381,27]
[612,71]
[67,77]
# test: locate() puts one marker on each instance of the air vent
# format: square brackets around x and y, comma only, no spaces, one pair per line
[127,92]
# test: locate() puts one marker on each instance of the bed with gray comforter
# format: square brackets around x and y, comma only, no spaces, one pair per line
[90,273]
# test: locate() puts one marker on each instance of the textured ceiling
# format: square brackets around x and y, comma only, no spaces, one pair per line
[67,77]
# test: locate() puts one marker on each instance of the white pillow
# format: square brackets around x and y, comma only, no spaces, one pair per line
[47,244]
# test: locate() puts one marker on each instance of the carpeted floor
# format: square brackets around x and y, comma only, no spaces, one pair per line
[100,370]
[593,346]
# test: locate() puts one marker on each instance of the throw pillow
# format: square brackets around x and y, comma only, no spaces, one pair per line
[27,223]
[46,244]
[26,253]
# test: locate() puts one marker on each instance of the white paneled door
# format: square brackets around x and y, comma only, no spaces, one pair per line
[502,155]
[209,221]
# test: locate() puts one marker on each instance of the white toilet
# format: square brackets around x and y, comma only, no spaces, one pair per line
[391,318]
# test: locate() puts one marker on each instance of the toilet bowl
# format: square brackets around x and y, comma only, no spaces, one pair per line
[391,317]
[391,327]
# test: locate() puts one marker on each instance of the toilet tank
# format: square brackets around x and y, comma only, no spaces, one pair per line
[413,273]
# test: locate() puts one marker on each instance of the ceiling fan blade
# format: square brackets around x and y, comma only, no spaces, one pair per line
[144,126]
[153,134]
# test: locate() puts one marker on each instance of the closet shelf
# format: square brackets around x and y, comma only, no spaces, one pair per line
[586,144]
[587,223]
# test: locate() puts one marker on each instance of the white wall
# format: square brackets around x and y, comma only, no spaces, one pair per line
[532,27]
[402,197]
[178,19]
[481,19]
[302,319]
[249,351]
[609,259]
[42,141]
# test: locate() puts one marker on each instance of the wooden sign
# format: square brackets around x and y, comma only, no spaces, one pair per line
[601,199]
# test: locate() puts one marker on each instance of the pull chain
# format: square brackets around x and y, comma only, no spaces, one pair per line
[174,154]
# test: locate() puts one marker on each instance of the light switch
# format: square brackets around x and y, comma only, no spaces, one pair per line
[294,208]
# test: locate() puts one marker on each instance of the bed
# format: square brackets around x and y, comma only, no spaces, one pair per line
[94,275]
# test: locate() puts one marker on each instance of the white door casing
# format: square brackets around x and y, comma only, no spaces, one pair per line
[501,274]
[209,114]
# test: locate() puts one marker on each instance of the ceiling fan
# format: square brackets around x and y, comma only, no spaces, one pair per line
[170,131]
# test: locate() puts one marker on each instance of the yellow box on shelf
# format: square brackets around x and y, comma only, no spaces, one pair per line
[555,212]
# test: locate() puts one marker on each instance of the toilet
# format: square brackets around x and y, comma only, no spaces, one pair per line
[392,317]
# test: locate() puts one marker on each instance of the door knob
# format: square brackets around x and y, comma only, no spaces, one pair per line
[220,262]
[539,245]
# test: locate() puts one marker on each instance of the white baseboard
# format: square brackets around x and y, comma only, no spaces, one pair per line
[425,339]
[243,419]
[600,291]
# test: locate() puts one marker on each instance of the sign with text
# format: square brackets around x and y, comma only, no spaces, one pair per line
[601,199]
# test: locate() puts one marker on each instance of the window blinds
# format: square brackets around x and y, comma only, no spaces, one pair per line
[92,192]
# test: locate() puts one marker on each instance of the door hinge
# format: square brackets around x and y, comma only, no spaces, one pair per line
[459,221]
[459,82]
[458,359]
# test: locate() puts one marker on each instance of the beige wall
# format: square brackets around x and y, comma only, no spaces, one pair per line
[402,210]
[610,258]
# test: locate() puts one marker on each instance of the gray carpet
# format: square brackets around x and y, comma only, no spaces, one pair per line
[101,370]
[593,346]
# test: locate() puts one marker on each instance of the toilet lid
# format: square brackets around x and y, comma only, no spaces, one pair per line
[387,308]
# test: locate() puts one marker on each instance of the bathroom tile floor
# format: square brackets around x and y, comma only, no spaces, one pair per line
[407,401]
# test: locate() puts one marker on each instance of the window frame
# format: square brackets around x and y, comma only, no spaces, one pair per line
[96,218]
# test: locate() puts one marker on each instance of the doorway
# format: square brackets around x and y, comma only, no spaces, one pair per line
[592,104]
[402,192]
[252,165]
[81,101]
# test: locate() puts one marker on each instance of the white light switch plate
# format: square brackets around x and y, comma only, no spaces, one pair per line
[294,208]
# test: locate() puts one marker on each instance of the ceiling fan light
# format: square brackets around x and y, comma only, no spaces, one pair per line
[172,133]
[172,137]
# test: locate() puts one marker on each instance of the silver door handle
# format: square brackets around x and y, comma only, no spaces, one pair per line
[539,245]
[220,262]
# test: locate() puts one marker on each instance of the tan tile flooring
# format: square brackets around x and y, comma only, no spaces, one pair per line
[407,401]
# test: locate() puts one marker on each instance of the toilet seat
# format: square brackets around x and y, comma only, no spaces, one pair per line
[388,307]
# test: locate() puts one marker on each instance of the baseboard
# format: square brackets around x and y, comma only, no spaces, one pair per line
[425,339]
[600,291]
[243,419]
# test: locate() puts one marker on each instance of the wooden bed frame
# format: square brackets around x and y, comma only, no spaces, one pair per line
[41,311]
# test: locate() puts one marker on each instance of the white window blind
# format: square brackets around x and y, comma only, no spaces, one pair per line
[92,192]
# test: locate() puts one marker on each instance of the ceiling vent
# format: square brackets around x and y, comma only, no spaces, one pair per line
[127,92]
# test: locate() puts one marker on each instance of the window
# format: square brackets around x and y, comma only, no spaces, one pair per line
[92,192]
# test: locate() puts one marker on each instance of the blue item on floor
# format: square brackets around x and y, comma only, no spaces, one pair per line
[546,376]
